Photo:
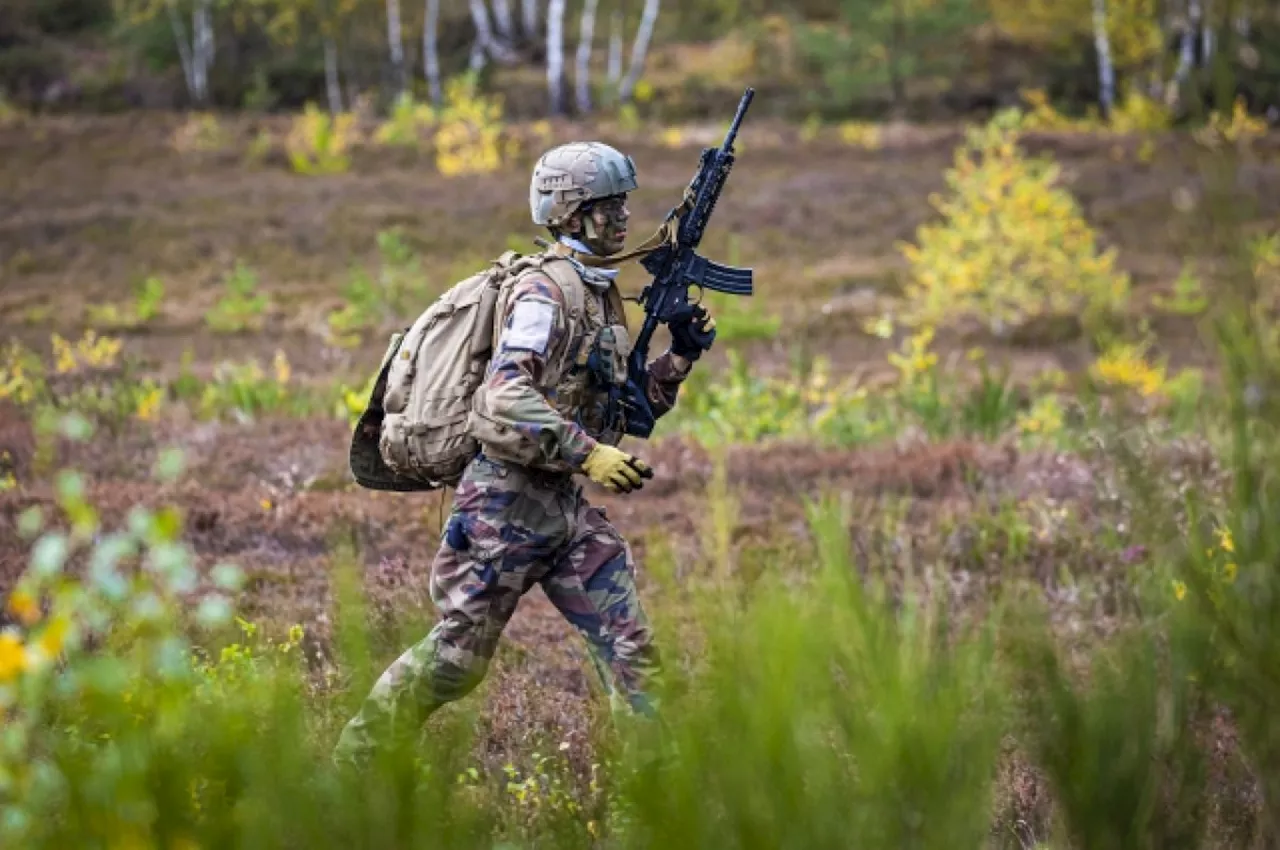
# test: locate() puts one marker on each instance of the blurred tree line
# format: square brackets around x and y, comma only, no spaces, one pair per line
[869,58]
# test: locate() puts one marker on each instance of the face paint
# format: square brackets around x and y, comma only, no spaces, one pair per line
[605,225]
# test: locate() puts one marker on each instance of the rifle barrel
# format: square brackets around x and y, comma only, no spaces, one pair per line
[737,119]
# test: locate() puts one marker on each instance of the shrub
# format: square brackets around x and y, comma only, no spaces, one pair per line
[407,124]
[242,306]
[1012,244]
[400,287]
[148,298]
[803,724]
[201,132]
[318,143]
[469,138]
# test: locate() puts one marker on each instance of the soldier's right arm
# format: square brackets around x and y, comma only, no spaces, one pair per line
[534,331]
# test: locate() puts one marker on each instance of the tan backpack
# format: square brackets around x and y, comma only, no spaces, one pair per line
[413,434]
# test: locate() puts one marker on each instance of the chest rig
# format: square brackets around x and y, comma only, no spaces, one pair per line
[589,390]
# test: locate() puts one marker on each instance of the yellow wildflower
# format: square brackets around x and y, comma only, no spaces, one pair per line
[1125,366]
[24,606]
[1230,570]
[266,504]
[1179,590]
[13,657]
[282,368]
[54,637]
[1225,540]
[64,357]
[149,404]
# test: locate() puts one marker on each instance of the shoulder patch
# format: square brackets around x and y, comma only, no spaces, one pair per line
[530,328]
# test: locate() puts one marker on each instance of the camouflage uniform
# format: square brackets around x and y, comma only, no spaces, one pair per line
[519,518]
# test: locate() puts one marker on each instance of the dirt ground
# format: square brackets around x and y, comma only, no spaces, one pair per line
[92,205]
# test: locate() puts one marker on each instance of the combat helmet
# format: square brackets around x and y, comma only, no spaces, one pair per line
[568,176]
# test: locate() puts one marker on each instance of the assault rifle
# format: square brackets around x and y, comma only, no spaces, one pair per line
[676,266]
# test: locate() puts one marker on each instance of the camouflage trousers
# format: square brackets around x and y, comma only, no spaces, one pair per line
[511,528]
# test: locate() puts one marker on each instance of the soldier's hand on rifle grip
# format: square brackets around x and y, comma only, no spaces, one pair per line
[615,470]
[692,332]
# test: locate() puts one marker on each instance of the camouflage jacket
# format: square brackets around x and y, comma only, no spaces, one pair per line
[542,400]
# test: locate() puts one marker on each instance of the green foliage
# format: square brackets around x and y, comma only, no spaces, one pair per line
[407,124]
[399,289]
[148,298]
[1188,297]
[1121,749]
[738,406]
[803,723]
[883,45]
[245,390]
[88,377]
[242,306]
[122,730]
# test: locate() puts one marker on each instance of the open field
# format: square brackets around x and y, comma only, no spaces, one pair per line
[93,206]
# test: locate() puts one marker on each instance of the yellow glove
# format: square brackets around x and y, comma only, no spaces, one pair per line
[616,470]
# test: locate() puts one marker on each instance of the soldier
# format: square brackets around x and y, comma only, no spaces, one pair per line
[542,415]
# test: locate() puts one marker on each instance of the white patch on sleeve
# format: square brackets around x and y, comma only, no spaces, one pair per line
[530,328]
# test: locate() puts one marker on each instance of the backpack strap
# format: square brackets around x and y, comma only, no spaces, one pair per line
[572,289]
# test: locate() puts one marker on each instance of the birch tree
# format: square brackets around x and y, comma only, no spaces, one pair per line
[529,10]
[395,46]
[1186,52]
[484,35]
[486,45]
[582,71]
[502,21]
[196,50]
[332,85]
[330,16]
[431,50]
[639,49]
[555,55]
[613,70]
[1106,71]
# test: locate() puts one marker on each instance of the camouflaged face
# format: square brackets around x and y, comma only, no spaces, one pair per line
[512,528]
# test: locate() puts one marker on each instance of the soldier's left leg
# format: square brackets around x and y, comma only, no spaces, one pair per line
[593,584]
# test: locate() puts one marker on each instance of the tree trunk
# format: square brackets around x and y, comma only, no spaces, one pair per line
[1206,35]
[1106,72]
[202,49]
[1186,54]
[639,49]
[897,45]
[529,16]
[555,55]
[431,52]
[332,86]
[396,46]
[582,73]
[502,21]
[614,71]
[484,35]
[184,49]
[486,45]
